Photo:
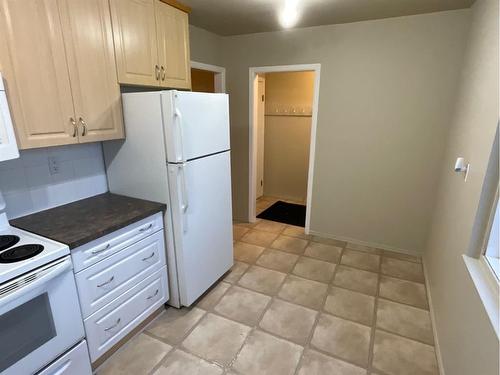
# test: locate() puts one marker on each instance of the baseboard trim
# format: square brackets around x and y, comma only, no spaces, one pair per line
[437,348]
[364,243]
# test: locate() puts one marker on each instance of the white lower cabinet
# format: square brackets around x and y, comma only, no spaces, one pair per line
[74,362]
[103,247]
[107,326]
[102,283]
[122,285]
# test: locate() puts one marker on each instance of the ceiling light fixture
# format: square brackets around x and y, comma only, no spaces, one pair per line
[289,14]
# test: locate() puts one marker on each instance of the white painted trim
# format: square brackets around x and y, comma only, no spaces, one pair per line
[487,287]
[252,171]
[437,347]
[364,243]
[220,74]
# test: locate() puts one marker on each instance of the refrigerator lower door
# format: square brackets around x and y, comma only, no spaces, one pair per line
[196,124]
[200,198]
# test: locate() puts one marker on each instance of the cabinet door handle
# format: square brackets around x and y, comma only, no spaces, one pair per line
[114,325]
[154,295]
[106,282]
[162,73]
[84,126]
[75,128]
[157,72]
[146,228]
[101,250]
[149,257]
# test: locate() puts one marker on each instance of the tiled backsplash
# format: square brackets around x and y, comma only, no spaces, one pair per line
[29,186]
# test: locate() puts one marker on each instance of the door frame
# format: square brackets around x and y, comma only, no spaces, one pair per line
[252,134]
[260,78]
[220,74]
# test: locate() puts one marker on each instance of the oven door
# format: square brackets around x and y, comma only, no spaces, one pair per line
[40,318]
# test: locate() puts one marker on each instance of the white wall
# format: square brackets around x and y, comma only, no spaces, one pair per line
[28,186]
[386,94]
[467,340]
[205,47]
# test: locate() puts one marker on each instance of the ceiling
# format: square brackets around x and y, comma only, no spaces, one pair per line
[233,17]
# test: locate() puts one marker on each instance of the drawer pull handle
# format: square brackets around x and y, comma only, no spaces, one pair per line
[114,325]
[154,295]
[106,282]
[149,257]
[101,250]
[75,127]
[84,126]
[146,228]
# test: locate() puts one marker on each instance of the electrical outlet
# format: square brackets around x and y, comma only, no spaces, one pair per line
[54,165]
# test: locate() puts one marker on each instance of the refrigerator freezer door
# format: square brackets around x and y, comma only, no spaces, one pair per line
[196,124]
[202,222]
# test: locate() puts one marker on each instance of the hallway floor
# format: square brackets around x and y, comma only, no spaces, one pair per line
[264,202]
[294,304]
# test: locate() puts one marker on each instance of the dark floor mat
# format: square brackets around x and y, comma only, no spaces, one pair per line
[288,213]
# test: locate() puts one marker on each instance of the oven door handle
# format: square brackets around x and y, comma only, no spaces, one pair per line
[39,277]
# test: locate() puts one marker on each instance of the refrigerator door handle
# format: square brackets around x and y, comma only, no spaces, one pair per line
[185,201]
[180,145]
[183,198]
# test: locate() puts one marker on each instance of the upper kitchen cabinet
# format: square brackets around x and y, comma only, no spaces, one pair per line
[151,43]
[134,32]
[172,31]
[33,62]
[89,45]
[58,64]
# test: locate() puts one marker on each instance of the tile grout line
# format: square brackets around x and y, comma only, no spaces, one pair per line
[371,345]
[404,303]
[307,346]
[437,350]
[404,337]
[162,361]
[229,366]
[178,345]
[254,328]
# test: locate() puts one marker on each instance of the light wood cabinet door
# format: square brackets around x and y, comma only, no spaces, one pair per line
[33,62]
[89,45]
[173,46]
[134,32]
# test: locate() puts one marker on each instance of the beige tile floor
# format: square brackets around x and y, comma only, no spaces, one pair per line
[294,304]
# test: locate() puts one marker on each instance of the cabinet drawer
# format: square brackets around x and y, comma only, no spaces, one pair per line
[103,282]
[107,326]
[101,248]
[74,362]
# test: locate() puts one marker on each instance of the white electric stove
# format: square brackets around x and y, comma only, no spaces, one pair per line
[41,328]
[21,252]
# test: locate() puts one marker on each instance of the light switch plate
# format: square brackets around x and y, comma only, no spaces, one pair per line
[54,165]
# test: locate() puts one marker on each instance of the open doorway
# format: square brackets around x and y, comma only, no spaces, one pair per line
[283,117]
[207,78]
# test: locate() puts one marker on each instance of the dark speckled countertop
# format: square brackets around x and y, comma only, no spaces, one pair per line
[85,220]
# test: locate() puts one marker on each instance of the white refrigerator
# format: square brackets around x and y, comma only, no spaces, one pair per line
[177,151]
